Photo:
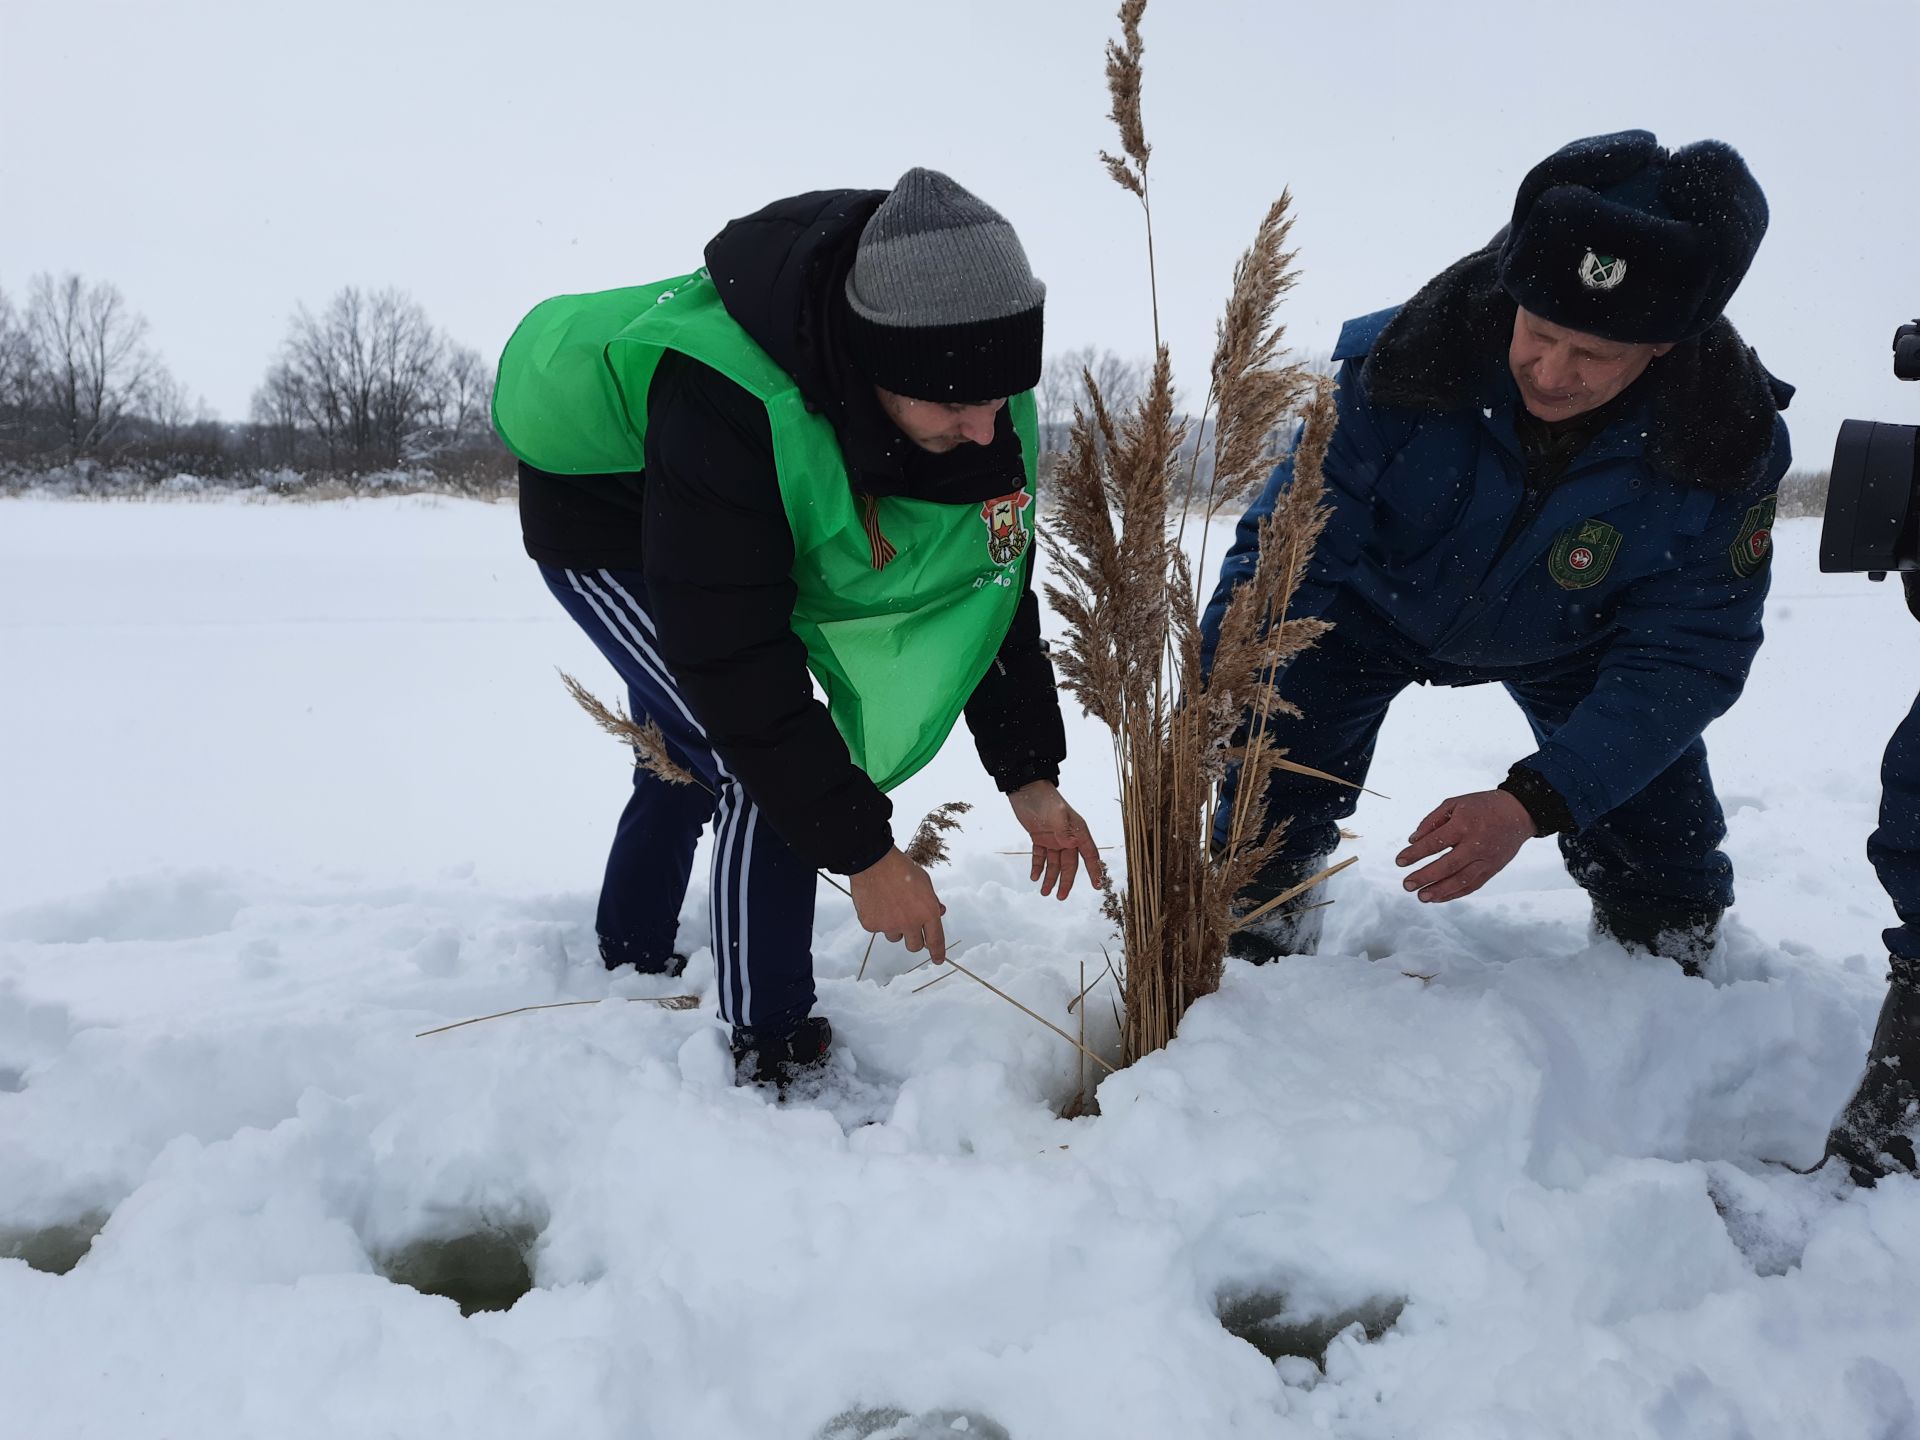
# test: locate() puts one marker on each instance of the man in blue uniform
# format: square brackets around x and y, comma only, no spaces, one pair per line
[1874,1136]
[1554,470]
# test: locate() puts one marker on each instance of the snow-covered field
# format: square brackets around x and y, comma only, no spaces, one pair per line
[281,785]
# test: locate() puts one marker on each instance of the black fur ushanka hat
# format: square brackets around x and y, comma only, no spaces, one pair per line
[1617,237]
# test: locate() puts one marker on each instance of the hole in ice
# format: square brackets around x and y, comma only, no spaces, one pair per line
[56,1249]
[1768,1217]
[1079,1105]
[1265,1321]
[485,1269]
[12,1081]
[887,1423]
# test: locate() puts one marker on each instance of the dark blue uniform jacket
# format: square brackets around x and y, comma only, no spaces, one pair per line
[1647,559]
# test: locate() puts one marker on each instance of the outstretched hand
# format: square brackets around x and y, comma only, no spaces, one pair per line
[1060,838]
[1480,833]
[894,897]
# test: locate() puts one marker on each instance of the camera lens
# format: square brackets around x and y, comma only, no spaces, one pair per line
[1872,522]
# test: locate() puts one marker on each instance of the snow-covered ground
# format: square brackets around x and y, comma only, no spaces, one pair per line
[281,785]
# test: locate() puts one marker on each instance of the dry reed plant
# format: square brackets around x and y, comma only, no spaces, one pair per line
[1132,605]
[929,846]
[649,744]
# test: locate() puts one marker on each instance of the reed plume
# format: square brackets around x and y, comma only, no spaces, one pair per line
[649,744]
[929,844]
[1132,603]
[1129,168]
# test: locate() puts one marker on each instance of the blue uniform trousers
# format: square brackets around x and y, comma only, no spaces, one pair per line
[761,900]
[1894,848]
[1659,852]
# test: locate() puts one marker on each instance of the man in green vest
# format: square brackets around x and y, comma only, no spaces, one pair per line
[815,453]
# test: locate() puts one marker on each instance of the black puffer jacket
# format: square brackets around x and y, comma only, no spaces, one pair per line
[706,526]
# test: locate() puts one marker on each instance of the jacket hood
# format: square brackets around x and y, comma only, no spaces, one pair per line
[1711,403]
[781,271]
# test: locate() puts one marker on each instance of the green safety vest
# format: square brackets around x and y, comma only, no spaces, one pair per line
[897,644]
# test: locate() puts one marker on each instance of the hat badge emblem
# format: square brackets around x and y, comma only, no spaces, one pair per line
[1602,272]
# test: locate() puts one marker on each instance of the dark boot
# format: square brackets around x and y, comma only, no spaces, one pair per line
[1673,933]
[761,1058]
[1290,928]
[1874,1136]
[615,953]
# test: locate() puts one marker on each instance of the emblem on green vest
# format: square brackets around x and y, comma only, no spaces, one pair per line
[1602,272]
[1007,534]
[1582,554]
[1754,543]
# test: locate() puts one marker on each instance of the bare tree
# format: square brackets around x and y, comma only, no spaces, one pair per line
[89,355]
[278,412]
[1062,389]
[171,411]
[16,357]
[364,377]
[466,394]
[16,378]
[409,366]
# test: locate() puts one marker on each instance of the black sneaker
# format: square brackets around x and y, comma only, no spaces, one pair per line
[1683,936]
[1874,1136]
[761,1058]
[615,953]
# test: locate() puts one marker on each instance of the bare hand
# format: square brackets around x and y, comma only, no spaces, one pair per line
[1479,832]
[1060,838]
[894,897]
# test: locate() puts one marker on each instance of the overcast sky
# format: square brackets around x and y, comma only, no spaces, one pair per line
[225,162]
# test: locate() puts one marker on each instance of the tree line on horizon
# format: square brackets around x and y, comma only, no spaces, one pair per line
[366,387]
[367,393]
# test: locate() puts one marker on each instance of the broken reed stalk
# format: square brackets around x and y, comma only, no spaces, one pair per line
[1294,893]
[1091,1055]
[1132,605]
[1282,763]
[953,966]
[1029,850]
[665,1002]
[1085,988]
[1080,1066]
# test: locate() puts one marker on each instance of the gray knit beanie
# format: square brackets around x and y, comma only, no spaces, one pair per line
[944,306]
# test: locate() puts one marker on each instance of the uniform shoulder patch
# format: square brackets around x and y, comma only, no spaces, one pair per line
[1753,546]
[1582,554]
[1007,533]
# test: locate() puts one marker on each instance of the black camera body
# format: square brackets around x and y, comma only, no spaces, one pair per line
[1873,491]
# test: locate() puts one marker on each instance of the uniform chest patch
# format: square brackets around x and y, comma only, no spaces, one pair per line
[1582,554]
[1754,544]
[1007,533]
